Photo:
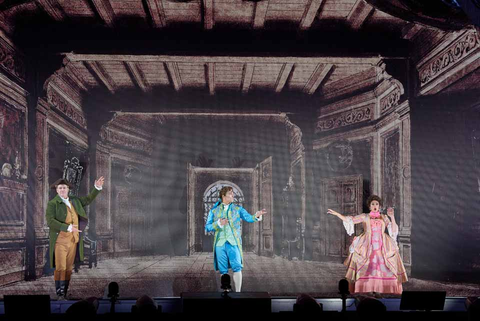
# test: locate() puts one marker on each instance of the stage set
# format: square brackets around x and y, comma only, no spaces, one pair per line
[300,106]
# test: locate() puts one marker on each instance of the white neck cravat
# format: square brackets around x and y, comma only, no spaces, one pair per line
[66,201]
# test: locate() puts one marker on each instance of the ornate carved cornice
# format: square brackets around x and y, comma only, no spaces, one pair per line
[389,101]
[361,108]
[343,119]
[437,72]
[12,61]
[120,138]
[56,100]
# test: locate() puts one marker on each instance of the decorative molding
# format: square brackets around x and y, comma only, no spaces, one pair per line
[157,12]
[359,14]
[63,87]
[361,100]
[321,73]
[403,110]
[56,100]
[208,14]
[221,170]
[260,14]
[39,172]
[15,157]
[339,155]
[387,121]
[389,101]
[461,55]
[117,137]
[452,54]
[285,72]
[41,152]
[247,76]
[311,11]
[343,119]
[12,61]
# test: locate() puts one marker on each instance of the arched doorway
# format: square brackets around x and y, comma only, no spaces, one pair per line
[210,198]
[252,189]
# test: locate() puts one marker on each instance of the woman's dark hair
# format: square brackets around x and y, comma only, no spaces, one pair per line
[374,198]
[224,191]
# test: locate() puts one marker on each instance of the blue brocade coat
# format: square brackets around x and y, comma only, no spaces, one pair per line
[234,214]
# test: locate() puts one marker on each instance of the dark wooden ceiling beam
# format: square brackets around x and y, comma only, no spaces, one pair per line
[99,72]
[211,77]
[411,30]
[360,12]
[174,73]
[208,14]
[319,76]
[311,11]
[53,9]
[367,60]
[260,14]
[248,69]
[105,11]
[157,12]
[137,75]
[283,76]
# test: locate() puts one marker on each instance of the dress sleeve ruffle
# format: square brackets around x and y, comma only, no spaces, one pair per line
[392,234]
[349,226]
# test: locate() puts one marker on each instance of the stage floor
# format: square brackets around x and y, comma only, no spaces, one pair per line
[164,276]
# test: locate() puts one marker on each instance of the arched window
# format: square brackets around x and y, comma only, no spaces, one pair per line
[210,197]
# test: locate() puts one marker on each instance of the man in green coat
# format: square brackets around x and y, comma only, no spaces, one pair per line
[66,218]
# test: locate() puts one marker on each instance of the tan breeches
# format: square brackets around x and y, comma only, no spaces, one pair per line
[65,250]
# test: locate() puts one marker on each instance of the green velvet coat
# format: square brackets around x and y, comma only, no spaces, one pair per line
[57,214]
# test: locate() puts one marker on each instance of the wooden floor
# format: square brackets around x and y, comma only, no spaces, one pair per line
[164,276]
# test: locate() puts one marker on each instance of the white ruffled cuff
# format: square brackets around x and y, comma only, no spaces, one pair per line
[392,234]
[218,222]
[349,226]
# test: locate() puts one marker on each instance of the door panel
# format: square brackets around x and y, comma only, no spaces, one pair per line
[266,202]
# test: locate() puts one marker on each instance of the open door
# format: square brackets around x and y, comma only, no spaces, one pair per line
[265,200]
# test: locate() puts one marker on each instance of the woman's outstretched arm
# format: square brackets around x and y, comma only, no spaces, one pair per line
[340,216]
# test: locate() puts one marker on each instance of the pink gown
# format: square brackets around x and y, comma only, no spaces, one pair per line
[374,263]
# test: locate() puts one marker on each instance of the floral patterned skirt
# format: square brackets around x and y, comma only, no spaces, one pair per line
[374,275]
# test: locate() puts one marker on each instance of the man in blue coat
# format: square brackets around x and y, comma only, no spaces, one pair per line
[224,219]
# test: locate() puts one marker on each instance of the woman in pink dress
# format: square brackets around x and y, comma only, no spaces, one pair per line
[374,263]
